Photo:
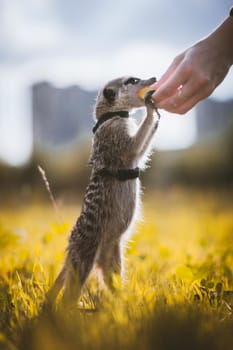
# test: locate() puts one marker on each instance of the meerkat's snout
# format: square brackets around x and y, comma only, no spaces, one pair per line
[146,87]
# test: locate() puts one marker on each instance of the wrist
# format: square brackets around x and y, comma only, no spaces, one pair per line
[222,38]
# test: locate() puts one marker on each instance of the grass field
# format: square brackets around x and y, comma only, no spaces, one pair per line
[178,288]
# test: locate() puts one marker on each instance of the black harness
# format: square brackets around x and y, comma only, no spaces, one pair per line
[109,115]
[119,174]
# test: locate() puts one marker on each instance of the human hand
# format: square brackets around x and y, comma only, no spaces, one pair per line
[194,74]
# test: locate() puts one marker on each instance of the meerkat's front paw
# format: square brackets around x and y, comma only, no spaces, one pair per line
[149,104]
[147,99]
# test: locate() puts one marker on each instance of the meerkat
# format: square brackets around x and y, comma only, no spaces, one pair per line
[112,199]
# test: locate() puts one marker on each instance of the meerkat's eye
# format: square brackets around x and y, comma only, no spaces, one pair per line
[132,81]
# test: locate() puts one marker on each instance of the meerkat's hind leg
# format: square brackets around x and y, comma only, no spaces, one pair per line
[72,286]
[110,262]
[53,292]
[77,273]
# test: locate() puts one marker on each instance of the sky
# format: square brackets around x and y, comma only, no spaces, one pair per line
[90,42]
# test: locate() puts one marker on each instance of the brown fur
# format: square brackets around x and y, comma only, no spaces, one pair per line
[110,206]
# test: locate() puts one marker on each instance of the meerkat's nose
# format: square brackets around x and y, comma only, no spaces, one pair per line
[152,80]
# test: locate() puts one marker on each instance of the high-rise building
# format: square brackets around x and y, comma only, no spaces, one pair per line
[60,115]
[213,117]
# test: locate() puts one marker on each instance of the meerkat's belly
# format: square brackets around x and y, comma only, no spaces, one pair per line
[123,206]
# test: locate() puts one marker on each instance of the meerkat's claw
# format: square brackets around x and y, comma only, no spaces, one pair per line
[147,99]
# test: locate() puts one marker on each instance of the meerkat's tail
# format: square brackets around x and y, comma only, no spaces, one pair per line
[56,287]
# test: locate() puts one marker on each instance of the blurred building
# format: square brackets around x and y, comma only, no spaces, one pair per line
[60,115]
[213,117]
[63,115]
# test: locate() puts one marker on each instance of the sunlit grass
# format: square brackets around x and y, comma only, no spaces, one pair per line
[178,286]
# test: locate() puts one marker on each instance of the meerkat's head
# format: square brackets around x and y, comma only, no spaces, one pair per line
[122,94]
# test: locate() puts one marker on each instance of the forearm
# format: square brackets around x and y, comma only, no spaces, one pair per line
[222,37]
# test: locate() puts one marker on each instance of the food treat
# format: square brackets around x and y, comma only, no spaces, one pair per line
[142,93]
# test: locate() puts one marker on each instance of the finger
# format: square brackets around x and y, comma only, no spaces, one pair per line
[182,94]
[195,89]
[168,72]
[178,78]
[188,104]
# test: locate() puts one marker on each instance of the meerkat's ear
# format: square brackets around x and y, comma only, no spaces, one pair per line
[109,94]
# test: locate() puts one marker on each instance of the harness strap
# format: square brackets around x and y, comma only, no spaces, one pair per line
[106,116]
[121,174]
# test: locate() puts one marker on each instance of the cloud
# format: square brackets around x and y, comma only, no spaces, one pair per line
[139,58]
[15,119]
[26,30]
[89,42]
[35,28]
